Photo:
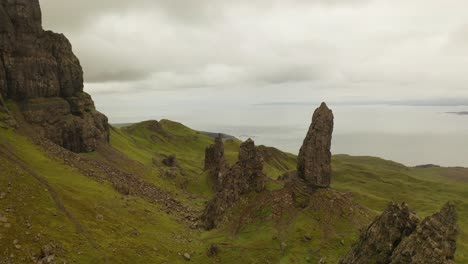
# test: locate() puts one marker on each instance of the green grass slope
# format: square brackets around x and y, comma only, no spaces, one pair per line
[45,202]
[375,182]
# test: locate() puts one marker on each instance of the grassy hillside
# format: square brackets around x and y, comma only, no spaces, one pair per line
[45,201]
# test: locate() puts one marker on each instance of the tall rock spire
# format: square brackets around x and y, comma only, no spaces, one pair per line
[215,162]
[314,161]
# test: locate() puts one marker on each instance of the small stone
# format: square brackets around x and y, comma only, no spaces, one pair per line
[283,246]
[187,256]
[342,242]
[18,246]
[99,217]
[15,241]
[308,237]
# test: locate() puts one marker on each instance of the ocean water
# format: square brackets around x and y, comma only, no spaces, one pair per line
[412,135]
[406,134]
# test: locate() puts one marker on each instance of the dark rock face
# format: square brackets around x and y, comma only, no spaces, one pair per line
[215,162]
[214,154]
[397,236]
[170,161]
[314,160]
[382,236]
[244,177]
[434,241]
[39,71]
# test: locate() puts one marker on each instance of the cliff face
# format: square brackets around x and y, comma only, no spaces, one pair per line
[39,71]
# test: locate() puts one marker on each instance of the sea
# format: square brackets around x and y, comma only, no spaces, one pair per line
[411,135]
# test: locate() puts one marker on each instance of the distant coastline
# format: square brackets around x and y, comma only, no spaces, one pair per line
[458,113]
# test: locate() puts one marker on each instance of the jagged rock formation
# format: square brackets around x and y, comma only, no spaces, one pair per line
[214,154]
[379,240]
[39,71]
[244,177]
[398,236]
[314,160]
[215,162]
[434,241]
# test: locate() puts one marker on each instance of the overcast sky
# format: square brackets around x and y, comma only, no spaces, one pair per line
[264,51]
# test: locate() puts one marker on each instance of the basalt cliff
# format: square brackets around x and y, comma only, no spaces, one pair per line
[40,74]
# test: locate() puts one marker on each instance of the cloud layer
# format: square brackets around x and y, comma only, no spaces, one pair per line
[333,49]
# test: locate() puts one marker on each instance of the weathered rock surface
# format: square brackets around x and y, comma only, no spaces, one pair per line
[215,162]
[314,160]
[39,71]
[214,154]
[244,177]
[434,241]
[397,236]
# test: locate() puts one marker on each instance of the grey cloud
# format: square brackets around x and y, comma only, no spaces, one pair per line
[334,48]
[116,76]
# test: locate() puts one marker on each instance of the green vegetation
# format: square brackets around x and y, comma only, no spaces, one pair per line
[50,202]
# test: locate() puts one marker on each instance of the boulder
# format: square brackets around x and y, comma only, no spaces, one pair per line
[170,161]
[314,160]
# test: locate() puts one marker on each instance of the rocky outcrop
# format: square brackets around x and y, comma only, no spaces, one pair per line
[215,162]
[314,160]
[214,154]
[434,241]
[244,177]
[39,71]
[381,237]
[398,236]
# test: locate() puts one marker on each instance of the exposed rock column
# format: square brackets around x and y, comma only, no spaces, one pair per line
[314,160]
[215,162]
[214,154]
[244,177]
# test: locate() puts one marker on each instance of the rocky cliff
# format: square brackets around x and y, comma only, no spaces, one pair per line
[39,72]
[314,160]
[398,236]
[244,177]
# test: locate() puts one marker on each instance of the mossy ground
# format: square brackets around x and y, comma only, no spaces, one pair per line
[99,225]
